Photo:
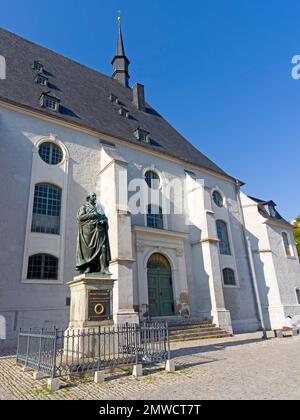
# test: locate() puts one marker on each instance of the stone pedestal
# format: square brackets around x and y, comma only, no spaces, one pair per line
[91,301]
[91,311]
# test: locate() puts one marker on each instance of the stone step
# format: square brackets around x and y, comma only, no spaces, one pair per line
[191,327]
[186,323]
[188,330]
[192,337]
[195,330]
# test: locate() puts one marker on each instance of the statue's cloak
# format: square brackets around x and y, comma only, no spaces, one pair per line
[92,235]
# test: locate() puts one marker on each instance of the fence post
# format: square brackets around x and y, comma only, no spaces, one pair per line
[40,350]
[99,348]
[168,341]
[137,368]
[53,370]
[53,382]
[136,344]
[27,349]
[170,364]
[18,344]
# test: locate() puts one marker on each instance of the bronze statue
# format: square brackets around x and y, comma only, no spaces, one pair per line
[93,250]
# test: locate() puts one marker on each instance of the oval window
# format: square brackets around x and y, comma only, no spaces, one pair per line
[218,199]
[50,153]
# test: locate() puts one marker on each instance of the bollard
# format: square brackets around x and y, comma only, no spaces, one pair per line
[38,375]
[99,377]
[137,370]
[53,384]
[170,365]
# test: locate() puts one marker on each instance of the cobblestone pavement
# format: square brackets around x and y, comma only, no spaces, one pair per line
[243,367]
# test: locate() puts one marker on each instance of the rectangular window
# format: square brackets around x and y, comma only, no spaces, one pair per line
[40,80]
[37,66]
[223,238]
[155,217]
[46,209]
[51,104]
[286,243]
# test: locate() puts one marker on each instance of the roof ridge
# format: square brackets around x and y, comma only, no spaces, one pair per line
[78,94]
[61,55]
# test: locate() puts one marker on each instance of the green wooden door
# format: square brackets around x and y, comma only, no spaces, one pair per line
[161,302]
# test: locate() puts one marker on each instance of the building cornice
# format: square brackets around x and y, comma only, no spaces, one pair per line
[159,232]
[282,224]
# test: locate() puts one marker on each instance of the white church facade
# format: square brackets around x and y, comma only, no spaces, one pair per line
[199,248]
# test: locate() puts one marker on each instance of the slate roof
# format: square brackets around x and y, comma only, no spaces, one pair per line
[261,205]
[84,95]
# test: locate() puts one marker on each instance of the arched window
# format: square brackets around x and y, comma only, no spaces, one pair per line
[223,238]
[46,209]
[229,277]
[155,217]
[42,267]
[158,261]
[152,179]
[286,244]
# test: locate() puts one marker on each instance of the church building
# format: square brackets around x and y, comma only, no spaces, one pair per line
[187,245]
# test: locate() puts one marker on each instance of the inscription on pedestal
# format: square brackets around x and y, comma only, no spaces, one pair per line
[99,305]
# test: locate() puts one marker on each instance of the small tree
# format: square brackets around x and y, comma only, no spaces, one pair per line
[297,234]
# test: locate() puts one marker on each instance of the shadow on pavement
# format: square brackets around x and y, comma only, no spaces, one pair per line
[199,349]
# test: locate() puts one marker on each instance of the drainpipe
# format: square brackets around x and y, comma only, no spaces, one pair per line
[252,267]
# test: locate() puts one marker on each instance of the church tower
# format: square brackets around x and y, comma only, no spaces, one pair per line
[120,62]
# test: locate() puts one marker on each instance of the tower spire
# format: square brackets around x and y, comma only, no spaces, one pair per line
[120,62]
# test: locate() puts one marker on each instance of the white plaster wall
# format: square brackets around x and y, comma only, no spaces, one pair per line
[287,269]
[238,300]
[25,305]
[42,304]
[278,276]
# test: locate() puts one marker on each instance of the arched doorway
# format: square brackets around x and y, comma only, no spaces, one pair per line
[160,290]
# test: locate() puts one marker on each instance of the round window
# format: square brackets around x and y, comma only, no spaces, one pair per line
[152,180]
[50,153]
[218,199]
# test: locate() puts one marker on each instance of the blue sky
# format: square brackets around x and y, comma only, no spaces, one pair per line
[218,70]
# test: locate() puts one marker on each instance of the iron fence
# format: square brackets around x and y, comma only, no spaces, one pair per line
[55,352]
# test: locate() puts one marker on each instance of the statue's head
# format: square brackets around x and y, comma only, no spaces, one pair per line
[91,197]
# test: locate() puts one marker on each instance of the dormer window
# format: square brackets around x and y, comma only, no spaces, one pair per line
[50,101]
[124,112]
[271,210]
[37,66]
[41,79]
[114,99]
[142,135]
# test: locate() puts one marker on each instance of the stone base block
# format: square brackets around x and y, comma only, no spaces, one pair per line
[123,317]
[26,369]
[137,370]
[38,375]
[222,318]
[170,366]
[53,384]
[99,377]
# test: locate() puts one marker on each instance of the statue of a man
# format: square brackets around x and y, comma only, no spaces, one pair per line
[93,250]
